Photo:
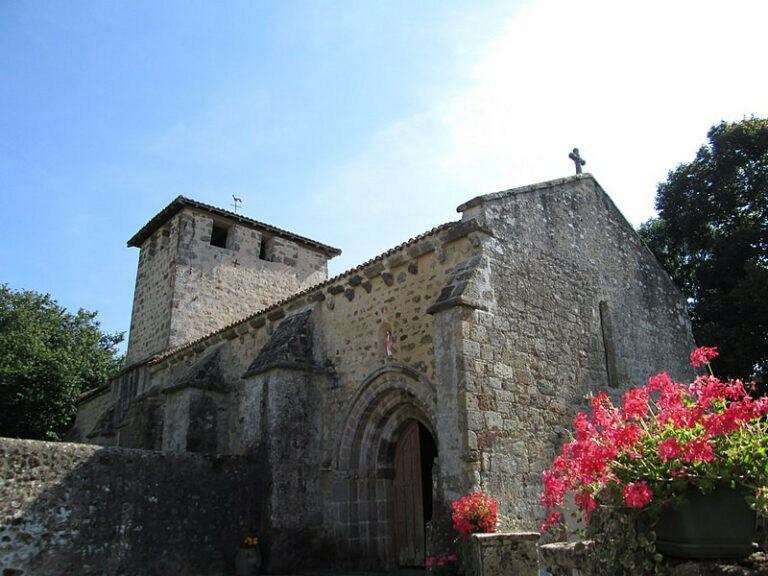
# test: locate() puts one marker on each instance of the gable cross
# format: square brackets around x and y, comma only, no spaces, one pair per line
[577,160]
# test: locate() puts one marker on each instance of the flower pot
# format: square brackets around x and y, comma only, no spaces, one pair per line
[248,561]
[716,525]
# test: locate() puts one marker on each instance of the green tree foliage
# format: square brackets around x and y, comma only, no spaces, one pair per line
[48,357]
[711,235]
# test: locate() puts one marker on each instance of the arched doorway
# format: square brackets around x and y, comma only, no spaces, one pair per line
[415,454]
[379,414]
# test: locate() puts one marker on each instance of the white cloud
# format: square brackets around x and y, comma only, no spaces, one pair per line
[635,87]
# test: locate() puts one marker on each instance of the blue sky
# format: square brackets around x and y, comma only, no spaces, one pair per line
[358,124]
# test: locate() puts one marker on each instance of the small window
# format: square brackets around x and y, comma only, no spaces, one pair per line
[219,236]
[263,249]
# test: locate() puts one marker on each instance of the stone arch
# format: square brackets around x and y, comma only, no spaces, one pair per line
[387,399]
[362,507]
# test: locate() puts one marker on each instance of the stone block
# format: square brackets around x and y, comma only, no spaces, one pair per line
[505,554]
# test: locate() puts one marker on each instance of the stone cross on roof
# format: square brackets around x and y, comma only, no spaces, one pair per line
[577,160]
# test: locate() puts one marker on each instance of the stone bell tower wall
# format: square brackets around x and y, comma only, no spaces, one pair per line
[216,286]
[201,271]
[152,297]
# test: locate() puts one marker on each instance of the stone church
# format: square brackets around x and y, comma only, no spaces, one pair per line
[369,401]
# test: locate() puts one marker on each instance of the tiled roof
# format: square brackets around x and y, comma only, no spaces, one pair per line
[180,202]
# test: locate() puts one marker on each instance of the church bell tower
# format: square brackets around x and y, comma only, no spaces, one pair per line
[202,268]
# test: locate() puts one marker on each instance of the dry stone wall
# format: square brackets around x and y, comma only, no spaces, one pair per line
[77,510]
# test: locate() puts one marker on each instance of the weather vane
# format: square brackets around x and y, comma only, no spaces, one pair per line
[577,160]
[236,203]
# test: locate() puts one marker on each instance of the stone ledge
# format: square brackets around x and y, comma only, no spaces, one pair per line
[564,558]
[505,554]
[499,538]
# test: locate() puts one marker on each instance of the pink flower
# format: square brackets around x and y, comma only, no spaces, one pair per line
[551,519]
[659,381]
[627,436]
[669,448]
[663,431]
[603,412]
[703,355]
[585,502]
[637,494]
[584,428]
[474,513]
[452,558]
[430,561]
[698,450]
[635,403]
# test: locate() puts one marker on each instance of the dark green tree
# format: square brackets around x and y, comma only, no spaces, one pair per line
[48,357]
[711,235]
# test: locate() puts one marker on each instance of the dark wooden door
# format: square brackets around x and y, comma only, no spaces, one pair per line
[408,496]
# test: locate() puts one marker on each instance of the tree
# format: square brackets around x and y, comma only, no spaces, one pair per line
[48,357]
[711,235]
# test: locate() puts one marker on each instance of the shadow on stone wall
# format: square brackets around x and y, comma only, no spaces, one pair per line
[73,509]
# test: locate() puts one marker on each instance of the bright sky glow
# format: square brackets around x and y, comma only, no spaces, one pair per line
[358,124]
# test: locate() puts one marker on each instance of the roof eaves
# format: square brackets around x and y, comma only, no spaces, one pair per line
[181,201]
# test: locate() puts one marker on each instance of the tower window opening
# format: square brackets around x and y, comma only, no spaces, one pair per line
[263,249]
[219,236]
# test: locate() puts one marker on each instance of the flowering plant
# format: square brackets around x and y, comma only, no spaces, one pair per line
[442,564]
[250,541]
[475,513]
[665,437]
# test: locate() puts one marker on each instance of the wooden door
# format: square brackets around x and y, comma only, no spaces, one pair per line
[408,499]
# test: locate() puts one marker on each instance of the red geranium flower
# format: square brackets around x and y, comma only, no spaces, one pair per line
[637,494]
[703,355]
[705,433]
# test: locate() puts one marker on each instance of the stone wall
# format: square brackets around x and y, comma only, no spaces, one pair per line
[576,304]
[71,509]
[151,315]
[373,392]
[218,286]
[92,407]
[188,287]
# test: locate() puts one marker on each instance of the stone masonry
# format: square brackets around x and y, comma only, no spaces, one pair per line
[77,510]
[200,267]
[489,332]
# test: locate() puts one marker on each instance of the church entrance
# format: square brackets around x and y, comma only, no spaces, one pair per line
[412,491]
